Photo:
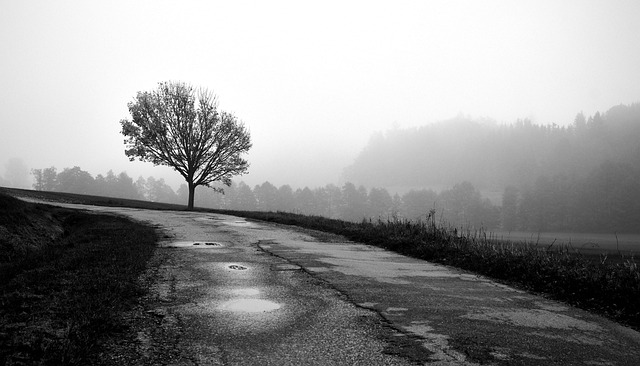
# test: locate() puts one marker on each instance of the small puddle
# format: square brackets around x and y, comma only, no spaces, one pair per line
[250,305]
[194,244]
[242,223]
[213,244]
[247,303]
[208,218]
[236,267]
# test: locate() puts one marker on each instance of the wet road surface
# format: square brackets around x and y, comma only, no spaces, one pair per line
[218,299]
[225,291]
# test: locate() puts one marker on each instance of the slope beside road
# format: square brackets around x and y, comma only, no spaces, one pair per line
[227,291]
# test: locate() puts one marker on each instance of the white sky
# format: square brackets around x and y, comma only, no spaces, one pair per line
[311,80]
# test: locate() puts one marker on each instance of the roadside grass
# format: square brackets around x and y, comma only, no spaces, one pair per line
[90,200]
[597,283]
[605,283]
[61,295]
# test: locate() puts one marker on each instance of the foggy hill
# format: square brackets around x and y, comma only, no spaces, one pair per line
[493,156]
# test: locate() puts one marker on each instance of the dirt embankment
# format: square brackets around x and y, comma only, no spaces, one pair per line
[25,228]
[66,277]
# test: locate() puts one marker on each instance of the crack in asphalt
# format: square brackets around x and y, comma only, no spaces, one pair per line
[409,345]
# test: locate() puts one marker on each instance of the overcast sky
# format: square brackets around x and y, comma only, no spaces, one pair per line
[311,80]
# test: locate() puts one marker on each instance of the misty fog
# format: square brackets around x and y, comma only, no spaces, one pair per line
[350,121]
[470,173]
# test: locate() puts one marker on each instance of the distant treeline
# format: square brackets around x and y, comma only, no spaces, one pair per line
[606,200]
[583,177]
[76,180]
[461,205]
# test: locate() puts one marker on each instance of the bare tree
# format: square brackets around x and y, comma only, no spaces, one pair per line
[181,127]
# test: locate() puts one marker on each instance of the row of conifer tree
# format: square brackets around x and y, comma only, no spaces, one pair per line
[608,200]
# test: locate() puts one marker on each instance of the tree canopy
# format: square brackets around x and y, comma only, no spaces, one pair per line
[181,127]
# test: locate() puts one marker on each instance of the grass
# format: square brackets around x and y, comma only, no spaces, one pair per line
[61,292]
[597,283]
[608,285]
[90,200]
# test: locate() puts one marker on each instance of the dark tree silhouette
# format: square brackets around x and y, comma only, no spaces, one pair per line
[75,180]
[177,126]
[418,203]
[45,179]
[246,200]
[307,202]
[285,199]
[380,203]
[267,196]
[159,191]
[354,202]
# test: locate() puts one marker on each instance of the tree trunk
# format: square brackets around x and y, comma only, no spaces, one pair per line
[192,192]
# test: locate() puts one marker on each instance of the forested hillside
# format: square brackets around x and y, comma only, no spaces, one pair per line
[582,177]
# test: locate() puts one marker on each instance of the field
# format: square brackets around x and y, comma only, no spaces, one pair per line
[597,279]
[593,243]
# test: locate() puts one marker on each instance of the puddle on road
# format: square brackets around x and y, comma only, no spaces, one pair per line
[208,218]
[213,244]
[226,221]
[246,304]
[236,267]
[238,223]
[194,244]
[250,305]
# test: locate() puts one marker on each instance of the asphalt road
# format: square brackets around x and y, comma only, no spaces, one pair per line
[225,291]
